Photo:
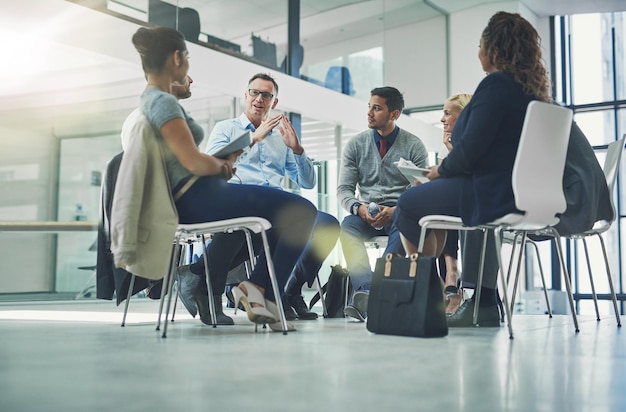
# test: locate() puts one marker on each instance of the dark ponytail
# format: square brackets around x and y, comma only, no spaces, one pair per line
[155,44]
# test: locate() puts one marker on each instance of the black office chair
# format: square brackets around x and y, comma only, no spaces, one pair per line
[112,281]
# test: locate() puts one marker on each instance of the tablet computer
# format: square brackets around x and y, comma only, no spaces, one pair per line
[238,143]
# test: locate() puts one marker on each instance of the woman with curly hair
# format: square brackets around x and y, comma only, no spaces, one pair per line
[474,180]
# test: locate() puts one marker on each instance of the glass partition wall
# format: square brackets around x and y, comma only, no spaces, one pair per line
[61,139]
[65,139]
[588,77]
[259,32]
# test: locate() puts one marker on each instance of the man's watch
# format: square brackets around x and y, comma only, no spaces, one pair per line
[355,209]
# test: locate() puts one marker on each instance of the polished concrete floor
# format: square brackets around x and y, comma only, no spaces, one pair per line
[74,356]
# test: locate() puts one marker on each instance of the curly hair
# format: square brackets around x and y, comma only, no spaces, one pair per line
[513,46]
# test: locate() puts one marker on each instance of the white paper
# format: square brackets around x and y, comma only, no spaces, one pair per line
[412,172]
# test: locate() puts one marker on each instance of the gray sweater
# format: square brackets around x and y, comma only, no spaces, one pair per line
[365,177]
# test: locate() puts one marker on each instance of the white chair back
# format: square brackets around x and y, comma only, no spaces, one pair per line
[611,167]
[540,163]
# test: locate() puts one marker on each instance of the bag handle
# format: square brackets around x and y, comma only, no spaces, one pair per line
[412,266]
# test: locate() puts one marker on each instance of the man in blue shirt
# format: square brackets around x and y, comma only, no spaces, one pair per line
[275,152]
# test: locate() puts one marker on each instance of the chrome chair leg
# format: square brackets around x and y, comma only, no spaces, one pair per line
[168,283]
[568,284]
[543,279]
[128,296]
[479,282]
[205,258]
[181,261]
[610,280]
[497,233]
[514,247]
[169,276]
[523,246]
[272,274]
[347,287]
[175,303]
[170,289]
[519,266]
[591,283]
[251,254]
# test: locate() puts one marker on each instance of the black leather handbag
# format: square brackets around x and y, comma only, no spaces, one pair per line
[406,298]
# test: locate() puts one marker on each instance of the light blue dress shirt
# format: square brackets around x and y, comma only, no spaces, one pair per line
[265,163]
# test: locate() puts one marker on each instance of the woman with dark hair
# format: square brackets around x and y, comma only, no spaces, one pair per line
[199,181]
[474,180]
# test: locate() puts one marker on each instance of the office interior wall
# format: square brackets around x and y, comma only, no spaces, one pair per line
[330,51]
[80,179]
[27,184]
[316,55]
[415,61]
[466,28]
[416,56]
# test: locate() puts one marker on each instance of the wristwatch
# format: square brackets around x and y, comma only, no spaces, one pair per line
[355,209]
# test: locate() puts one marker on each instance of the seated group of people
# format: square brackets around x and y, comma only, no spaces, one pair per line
[473,180]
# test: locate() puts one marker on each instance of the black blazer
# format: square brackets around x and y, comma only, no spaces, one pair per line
[585,187]
[485,139]
[109,279]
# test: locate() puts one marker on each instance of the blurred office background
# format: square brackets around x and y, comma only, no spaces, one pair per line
[70,76]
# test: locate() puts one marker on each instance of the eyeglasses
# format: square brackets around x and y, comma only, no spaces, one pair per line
[254,93]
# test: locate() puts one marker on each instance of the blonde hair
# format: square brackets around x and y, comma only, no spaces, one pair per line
[460,100]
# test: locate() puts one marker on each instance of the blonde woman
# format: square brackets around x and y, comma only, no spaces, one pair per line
[448,259]
[451,110]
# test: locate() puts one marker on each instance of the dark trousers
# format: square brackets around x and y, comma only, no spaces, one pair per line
[227,251]
[292,217]
[443,197]
[323,239]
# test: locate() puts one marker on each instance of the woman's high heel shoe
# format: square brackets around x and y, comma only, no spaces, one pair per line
[452,290]
[454,302]
[277,326]
[254,303]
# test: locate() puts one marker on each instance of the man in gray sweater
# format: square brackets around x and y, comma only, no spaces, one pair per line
[369,174]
